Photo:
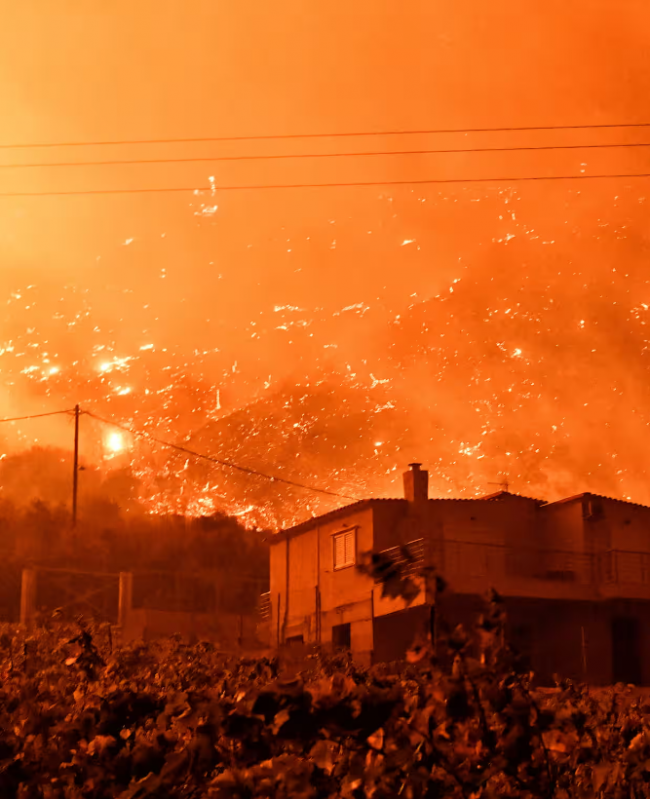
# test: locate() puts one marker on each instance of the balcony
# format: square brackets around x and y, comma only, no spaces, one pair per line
[471,567]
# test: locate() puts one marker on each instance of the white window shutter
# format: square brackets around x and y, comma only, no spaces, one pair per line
[339,550]
[349,547]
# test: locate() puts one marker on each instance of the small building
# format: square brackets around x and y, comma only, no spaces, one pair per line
[575,575]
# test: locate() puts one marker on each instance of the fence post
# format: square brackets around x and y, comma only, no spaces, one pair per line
[125,601]
[28,597]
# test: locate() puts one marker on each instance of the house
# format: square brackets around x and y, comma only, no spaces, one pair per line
[575,575]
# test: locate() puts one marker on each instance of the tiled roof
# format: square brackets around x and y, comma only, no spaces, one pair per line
[345,510]
[362,504]
[504,494]
[598,496]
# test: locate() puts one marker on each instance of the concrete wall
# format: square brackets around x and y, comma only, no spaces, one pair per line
[225,629]
[551,632]
[277,588]
[344,594]
[395,633]
[562,526]
[394,523]
[623,526]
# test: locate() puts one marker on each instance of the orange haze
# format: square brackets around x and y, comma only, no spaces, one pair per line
[238,322]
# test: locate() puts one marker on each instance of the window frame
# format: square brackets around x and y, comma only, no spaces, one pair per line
[335,536]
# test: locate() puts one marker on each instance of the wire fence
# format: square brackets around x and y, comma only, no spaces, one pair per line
[197,592]
[207,592]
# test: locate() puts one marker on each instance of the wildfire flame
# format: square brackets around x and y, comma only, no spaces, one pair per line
[528,365]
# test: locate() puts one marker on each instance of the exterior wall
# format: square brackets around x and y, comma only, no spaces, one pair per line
[346,595]
[393,524]
[395,633]
[572,638]
[278,583]
[621,534]
[300,610]
[623,527]
[225,629]
[563,526]
[505,521]
[474,538]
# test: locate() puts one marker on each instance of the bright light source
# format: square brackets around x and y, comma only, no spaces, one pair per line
[54,370]
[115,442]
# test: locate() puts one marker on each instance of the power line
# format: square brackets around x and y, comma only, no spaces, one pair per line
[354,184]
[347,134]
[218,461]
[35,416]
[287,156]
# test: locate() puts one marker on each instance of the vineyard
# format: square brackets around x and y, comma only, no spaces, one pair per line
[80,719]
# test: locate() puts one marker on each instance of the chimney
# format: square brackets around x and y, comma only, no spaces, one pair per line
[416,484]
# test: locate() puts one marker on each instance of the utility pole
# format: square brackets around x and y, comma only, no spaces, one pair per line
[75,475]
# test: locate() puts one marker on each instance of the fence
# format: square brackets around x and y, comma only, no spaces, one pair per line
[10,588]
[144,600]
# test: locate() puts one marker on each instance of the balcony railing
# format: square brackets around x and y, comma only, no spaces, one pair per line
[629,568]
[264,607]
[411,563]
[476,560]
[469,559]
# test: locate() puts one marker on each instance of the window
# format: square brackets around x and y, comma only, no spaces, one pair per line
[341,636]
[344,549]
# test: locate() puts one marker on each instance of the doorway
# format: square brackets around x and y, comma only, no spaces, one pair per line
[626,650]
[341,636]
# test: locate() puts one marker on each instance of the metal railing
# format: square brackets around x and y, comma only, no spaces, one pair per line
[412,560]
[625,567]
[484,560]
[477,560]
[264,607]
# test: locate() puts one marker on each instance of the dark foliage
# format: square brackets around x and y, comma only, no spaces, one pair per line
[79,721]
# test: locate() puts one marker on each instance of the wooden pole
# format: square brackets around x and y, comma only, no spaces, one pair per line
[75,474]
[27,597]
[125,601]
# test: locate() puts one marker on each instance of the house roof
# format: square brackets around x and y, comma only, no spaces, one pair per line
[588,494]
[364,504]
[345,510]
[508,494]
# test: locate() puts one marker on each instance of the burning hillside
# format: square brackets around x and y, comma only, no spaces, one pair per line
[524,357]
